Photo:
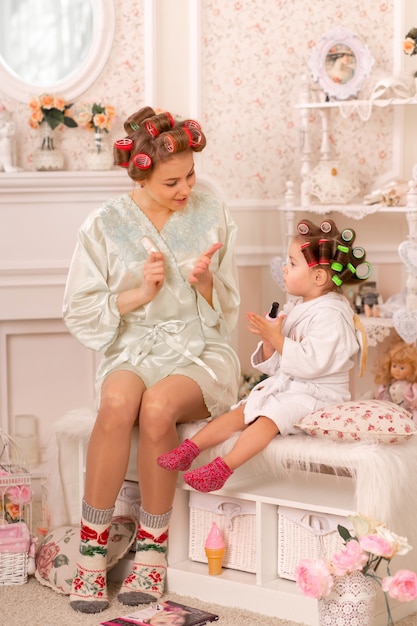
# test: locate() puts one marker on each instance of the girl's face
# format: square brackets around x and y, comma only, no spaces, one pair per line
[401,371]
[170,184]
[298,277]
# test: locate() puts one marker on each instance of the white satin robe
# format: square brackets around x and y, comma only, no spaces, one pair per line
[178,331]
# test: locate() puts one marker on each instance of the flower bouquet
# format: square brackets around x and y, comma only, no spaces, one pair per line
[364,551]
[48,113]
[50,110]
[96,117]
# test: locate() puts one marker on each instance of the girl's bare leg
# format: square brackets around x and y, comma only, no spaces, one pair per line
[220,429]
[213,433]
[252,440]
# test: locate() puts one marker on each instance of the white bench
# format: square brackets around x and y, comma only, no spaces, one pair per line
[295,471]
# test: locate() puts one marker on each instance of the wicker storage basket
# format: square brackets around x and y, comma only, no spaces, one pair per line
[15,513]
[237,522]
[306,535]
[14,553]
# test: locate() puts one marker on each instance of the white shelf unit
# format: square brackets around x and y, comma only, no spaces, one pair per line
[263,591]
[305,202]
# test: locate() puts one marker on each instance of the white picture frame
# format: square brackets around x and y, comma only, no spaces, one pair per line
[340,63]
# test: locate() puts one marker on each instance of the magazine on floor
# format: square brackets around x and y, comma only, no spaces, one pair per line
[164,614]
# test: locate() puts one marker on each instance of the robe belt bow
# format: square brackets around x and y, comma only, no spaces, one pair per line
[165,332]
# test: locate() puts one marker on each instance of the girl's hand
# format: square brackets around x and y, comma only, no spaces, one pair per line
[200,274]
[270,331]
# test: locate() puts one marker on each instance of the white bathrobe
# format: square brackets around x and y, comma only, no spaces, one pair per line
[313,371]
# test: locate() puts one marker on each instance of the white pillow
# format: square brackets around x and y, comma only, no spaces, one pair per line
[56,557]
[364,420]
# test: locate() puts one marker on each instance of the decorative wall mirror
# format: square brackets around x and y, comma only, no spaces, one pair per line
[340,63]
[53,46]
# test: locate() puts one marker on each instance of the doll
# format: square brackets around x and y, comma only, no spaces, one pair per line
[396,375]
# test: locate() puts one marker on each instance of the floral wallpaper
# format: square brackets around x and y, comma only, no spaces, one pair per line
[254,53]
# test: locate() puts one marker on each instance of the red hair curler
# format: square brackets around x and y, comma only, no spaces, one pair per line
[142,160]
[124,144]
[169,143]
[308,254]
[325,251]
[152,129]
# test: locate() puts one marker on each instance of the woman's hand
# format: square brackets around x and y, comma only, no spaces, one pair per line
[153,279]
[201,276]
[153,276]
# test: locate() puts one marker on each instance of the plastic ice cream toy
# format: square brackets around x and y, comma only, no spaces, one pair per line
[215,549]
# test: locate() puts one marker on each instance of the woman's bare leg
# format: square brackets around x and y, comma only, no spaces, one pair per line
[109,446]
[107,459]
[171,401]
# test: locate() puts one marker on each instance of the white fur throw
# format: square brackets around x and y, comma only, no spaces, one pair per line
[384,475]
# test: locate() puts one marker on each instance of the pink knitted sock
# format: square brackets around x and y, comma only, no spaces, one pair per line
[209,477]
[179,458]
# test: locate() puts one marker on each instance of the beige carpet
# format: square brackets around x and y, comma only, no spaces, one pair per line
[35,605]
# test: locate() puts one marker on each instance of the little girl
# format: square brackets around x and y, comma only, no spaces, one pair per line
[306,352]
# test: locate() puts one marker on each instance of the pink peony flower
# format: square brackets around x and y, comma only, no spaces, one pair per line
[19,494]
[402,586]
[350,559]
[313,578]
[378,545]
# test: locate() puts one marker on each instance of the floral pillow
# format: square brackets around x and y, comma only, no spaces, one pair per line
[57,555]
[365,420]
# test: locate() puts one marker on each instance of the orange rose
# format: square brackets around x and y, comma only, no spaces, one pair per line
[100,120]
[408,46]
[59,104]
[47,102]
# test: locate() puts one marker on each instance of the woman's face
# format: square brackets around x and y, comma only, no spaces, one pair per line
[170,184]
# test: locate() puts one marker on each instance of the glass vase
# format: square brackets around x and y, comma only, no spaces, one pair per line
[350,603]
[99,155]
[47,157]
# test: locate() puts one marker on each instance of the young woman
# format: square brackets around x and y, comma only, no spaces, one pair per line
[152,285]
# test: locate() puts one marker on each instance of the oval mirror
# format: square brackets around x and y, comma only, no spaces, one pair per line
[53,46]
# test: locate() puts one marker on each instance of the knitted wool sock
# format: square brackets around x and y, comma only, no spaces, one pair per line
[89,586]
[146,582]
[209,477]
[180,458]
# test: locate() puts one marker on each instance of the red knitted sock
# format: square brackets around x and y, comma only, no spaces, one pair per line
[179,458]
[209,477]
